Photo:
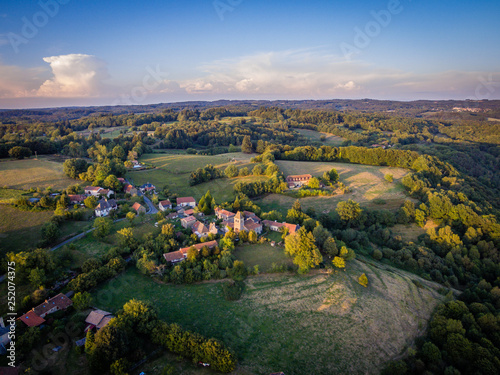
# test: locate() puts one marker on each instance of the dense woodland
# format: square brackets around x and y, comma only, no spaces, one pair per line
[454,181]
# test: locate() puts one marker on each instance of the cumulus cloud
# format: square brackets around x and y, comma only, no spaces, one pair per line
[75,75]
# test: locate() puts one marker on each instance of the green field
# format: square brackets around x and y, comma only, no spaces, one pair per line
[20,230]
[33,173]
[10,195]
[174,170]
[89,247]
[263,255]
[366,183]
[314,324]
[330,139]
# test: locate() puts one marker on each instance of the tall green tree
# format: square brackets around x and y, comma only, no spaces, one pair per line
[349,211]
[246,145]
[302,247]
[102,227]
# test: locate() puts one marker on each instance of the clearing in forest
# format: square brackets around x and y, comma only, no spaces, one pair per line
[366,183]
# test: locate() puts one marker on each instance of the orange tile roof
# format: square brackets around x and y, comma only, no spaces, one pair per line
[185,200]
[61,301]
[31,319]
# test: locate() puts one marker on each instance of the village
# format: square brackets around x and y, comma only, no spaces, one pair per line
[182,212]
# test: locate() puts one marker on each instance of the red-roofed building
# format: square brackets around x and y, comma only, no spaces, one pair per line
[276,227]
[76,198]
[180,255]
[138,208]
[129,189]
[31,319]
[241,222]
[59,302]
[98,319]
[165,205]
[298,180]
[186,201]
[92,190]
[223,214]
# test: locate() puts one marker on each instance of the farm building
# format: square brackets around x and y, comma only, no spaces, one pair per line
[129,189]
[180,255]
[165,205]
[137,207]
[76,198]
[276,227]
[186,201]
[298,180]
[97,319]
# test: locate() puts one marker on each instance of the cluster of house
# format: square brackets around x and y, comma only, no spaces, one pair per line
[238,222]
[36,315]
[106,205]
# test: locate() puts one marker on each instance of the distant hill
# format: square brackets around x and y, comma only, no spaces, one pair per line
[420,108]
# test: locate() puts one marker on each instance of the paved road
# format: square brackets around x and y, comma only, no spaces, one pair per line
[78,236]
[151,207]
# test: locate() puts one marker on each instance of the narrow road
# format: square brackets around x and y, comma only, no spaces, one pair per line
[78,236]
[151,207]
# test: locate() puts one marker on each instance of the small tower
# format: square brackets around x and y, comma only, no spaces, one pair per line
[239,222]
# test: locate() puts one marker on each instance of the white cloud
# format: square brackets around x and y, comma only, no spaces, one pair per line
[316,74]
[75,75]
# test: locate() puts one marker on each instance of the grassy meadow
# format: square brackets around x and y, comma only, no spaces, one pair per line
[319,323]
[312,135]
[20,230]
[262,255]
[174,170]
[366,182]
[34,173]
[89,247]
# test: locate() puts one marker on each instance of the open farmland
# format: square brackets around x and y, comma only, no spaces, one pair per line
[34,173]
[20,229]
[320,323]
[366,183]
[174,170]
[315,136]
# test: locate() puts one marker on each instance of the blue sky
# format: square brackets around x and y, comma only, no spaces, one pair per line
[76,52]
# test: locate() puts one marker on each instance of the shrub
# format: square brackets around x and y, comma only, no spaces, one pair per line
[232,290]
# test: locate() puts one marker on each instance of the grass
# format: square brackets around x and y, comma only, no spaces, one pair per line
[20,230]
[312,135]
[263,255]
[408,232]
[173,170]
[33,173]
[318,323]
[367,184]
[8,196]
[89,247]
